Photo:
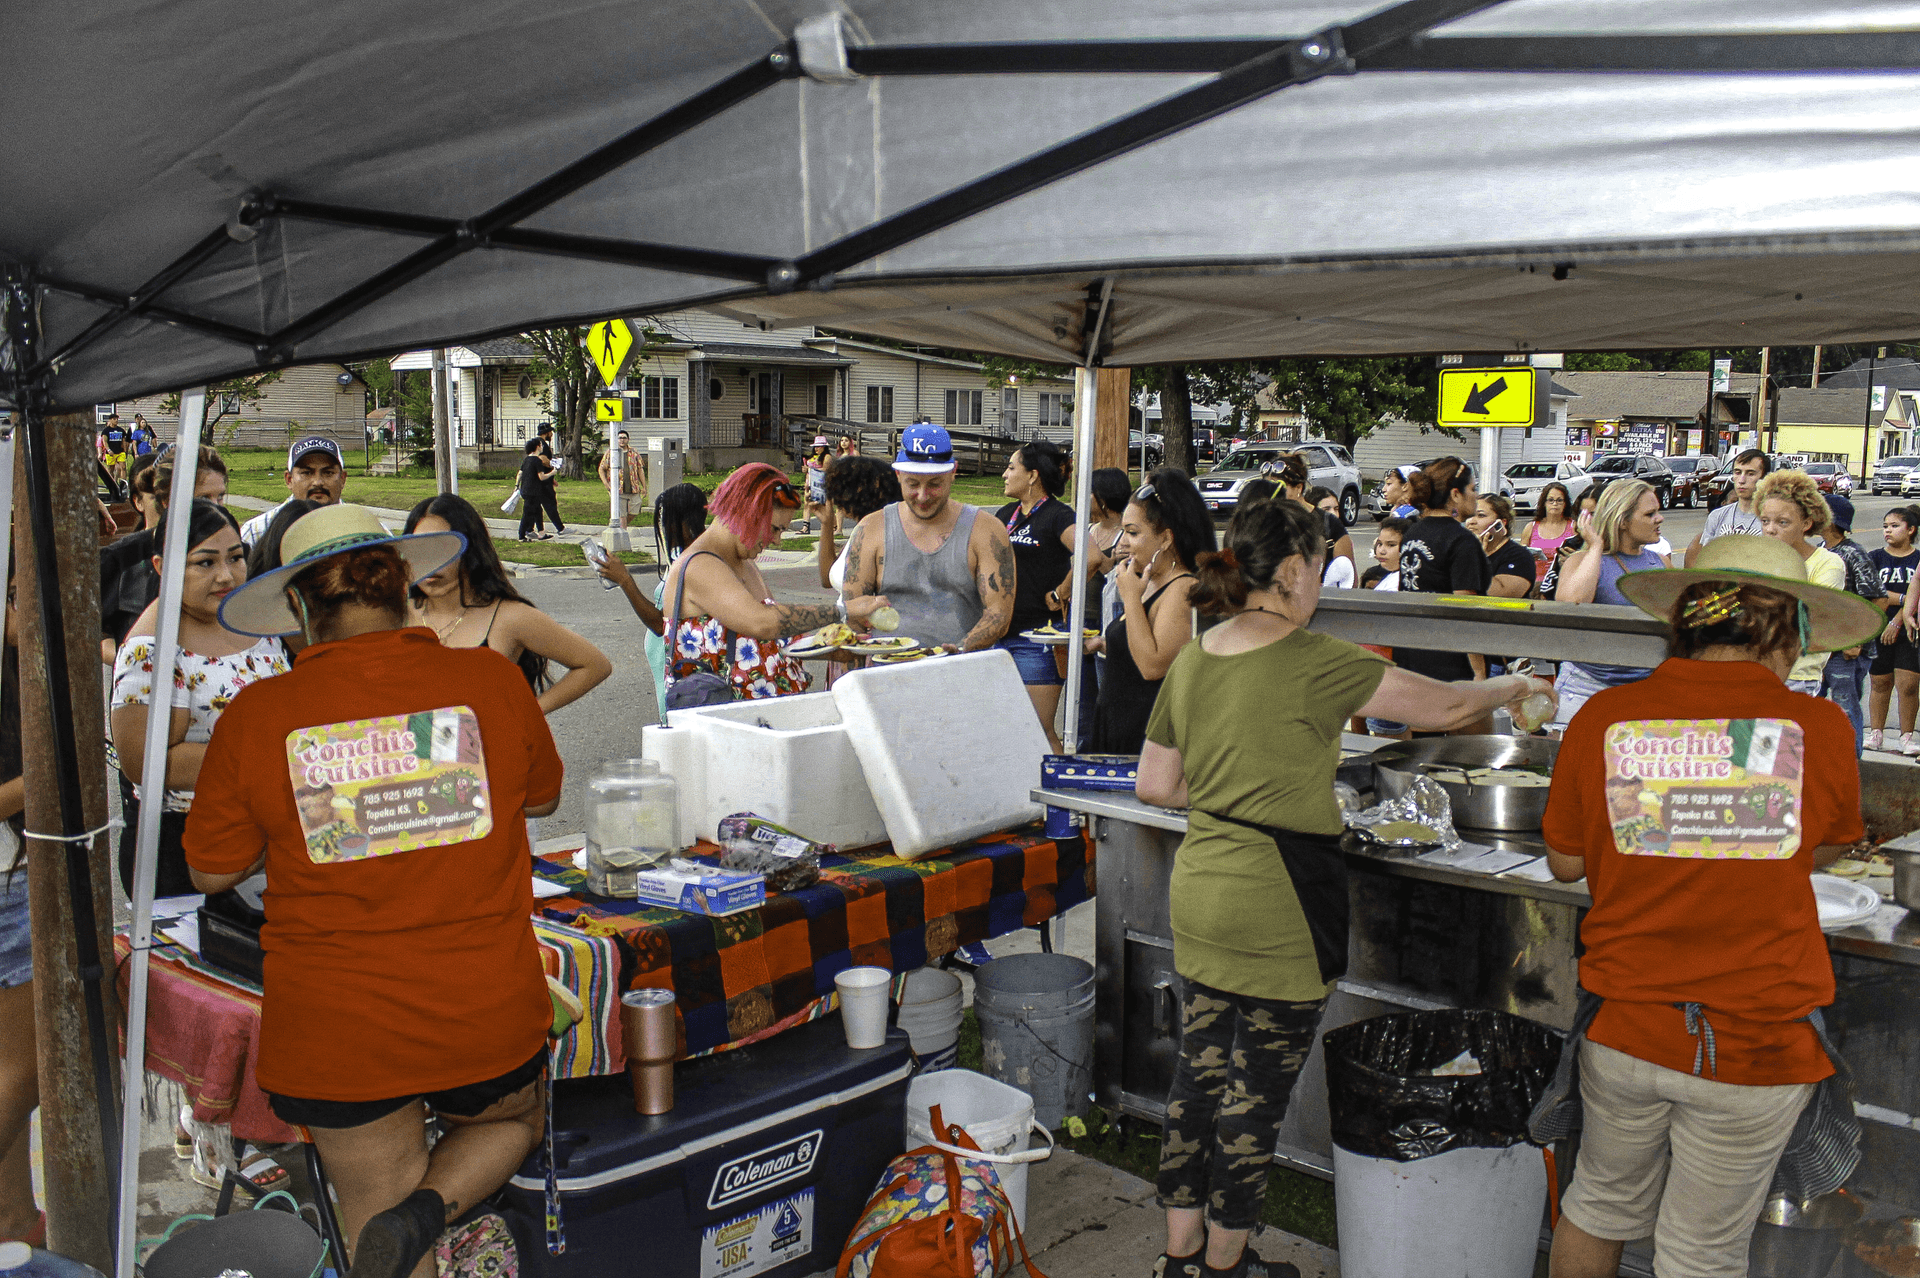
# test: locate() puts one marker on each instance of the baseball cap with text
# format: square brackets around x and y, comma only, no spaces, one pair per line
[314,444]
[925,449]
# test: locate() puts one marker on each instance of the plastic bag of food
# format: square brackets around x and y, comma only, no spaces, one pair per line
[758,846]
[1414,1084]
[1422,817]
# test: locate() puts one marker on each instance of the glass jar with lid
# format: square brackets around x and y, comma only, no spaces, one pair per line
[632,817]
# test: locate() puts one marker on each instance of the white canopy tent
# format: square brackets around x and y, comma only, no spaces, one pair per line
[200,191]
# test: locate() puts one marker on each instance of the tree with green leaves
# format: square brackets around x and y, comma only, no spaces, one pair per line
[1345,400]
[561,361]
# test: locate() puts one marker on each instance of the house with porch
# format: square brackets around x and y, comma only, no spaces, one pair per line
[732,392]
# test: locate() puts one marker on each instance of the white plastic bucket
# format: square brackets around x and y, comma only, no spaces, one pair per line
[997,1118]
[930,1014]
[1468,1211]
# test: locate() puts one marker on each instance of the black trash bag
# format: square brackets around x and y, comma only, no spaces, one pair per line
[1385,1103]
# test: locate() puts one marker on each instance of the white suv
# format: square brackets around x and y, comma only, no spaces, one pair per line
[1328,465]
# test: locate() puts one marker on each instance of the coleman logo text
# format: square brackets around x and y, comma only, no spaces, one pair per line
[775,1165]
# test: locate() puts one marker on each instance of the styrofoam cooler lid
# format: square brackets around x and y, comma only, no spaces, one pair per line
[951,748]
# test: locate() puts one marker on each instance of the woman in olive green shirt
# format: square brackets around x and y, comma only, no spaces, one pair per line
[1246,734]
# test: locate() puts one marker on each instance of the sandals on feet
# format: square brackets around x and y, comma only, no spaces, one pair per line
[261,1172]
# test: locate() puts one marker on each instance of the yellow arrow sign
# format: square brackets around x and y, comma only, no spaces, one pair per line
[609,410]
[610,342]
[1488,396]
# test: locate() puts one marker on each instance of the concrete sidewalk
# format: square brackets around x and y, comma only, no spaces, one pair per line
[1088,1220]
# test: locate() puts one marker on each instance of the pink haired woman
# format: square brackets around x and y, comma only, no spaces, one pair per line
[727,622]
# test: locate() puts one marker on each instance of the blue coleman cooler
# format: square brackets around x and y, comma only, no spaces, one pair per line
[760,1169]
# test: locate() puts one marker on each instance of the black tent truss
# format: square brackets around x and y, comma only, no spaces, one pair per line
[1398,38]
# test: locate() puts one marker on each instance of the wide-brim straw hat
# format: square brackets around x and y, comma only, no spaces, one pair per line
[1835,618]
[260,606]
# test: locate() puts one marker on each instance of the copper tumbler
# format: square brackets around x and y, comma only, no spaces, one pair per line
[653,1040]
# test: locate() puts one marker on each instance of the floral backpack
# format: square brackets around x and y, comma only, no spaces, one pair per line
[939,1213]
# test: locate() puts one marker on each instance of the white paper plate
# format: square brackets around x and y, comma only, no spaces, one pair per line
[1040,638]
[1843,902]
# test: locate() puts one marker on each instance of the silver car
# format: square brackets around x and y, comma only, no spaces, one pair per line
[1530,478]
[1328,465]
[1891,473]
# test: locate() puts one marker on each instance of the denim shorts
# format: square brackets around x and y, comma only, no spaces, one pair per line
[1385,727]
[16,931]
[1034,659]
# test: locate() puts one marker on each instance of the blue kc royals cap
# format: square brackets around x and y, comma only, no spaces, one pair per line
[925,449]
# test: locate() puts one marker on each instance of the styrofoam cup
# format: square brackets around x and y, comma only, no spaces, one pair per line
[863,1004]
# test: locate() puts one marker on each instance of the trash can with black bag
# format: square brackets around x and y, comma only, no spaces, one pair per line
[1433,1171]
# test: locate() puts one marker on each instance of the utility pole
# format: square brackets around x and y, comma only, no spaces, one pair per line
[75,1005]
[442,427]
[1816,368]
[1760,399]
[1866,435]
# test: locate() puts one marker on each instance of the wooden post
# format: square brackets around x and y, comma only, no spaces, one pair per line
[1110,426]
[81,1163]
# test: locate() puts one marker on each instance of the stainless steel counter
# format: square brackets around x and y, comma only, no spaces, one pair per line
[1892,935]
[1434,936]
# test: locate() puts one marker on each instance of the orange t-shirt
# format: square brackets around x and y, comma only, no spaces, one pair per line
[1697,797]
[399,954]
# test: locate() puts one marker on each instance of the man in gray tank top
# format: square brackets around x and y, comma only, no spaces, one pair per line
[947,571]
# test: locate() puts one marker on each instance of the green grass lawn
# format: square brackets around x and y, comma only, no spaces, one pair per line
[1296,1202]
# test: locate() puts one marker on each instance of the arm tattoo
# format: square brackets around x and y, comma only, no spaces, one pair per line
[856,587]
[1001,577]
[989,630]
[797,619]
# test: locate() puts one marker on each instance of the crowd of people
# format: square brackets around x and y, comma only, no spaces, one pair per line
[314,610]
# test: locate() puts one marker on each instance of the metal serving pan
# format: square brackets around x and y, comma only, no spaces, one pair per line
[1508,808]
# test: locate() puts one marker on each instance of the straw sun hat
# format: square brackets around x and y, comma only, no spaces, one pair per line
[260,606]
[1835,618]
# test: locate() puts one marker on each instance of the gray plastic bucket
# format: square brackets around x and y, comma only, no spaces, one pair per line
[1036,1030]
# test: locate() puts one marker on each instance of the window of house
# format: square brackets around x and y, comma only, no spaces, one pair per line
[823,401]
[1009,410]
[660,397]
[963,408]
[716,389]
[1053,409]
[879,403]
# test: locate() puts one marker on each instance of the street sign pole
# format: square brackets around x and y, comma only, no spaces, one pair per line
[1490,462]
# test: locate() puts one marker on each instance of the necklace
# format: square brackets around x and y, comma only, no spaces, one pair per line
[443,631]
[1270,612]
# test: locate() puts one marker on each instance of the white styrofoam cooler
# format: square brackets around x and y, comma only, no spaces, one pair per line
[951,748]
[787,758]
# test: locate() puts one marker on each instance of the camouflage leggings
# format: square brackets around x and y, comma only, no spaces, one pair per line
[1239,1058]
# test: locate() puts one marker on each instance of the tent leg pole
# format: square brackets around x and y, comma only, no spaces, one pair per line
[153,777]
[1086,397]
[58,586]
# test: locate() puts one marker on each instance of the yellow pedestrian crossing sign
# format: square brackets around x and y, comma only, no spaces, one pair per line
[1507,396]
[610,342]
[609,410]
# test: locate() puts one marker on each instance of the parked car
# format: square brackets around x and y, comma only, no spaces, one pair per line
[1205,443]
[1328,465]
[1830,477]
[1888,475]
[1644,466]
[1693,481]
[1143,450]
[1910,484]
[1527,479]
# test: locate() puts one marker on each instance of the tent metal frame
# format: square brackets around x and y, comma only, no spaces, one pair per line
[1397,38]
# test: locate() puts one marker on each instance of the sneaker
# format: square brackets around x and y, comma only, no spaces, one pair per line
[1872,740]
[1251,1266]
[1910,745]
[1178,1266]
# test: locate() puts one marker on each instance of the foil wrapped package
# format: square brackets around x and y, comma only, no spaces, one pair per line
[1422,817]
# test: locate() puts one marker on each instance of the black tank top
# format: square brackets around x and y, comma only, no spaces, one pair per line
[1126,699]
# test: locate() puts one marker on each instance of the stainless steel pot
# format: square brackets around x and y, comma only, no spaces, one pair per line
[1793,1239]
[1475,807]
[1906,875]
